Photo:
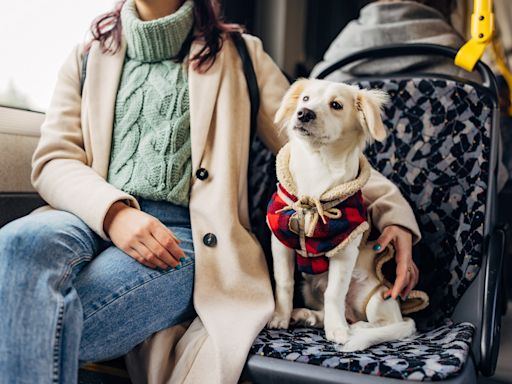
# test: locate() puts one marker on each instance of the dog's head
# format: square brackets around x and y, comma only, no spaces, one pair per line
[323,112]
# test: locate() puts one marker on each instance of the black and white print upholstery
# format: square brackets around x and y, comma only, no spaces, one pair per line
[437,152]
[434,355]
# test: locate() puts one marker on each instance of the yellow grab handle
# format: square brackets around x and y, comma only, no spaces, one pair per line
[482,28]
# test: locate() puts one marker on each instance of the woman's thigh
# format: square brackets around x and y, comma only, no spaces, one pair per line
[125,302]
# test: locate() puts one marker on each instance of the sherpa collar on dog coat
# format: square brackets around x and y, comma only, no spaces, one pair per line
[317,228]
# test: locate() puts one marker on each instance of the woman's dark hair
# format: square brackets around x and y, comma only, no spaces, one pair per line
[209,27]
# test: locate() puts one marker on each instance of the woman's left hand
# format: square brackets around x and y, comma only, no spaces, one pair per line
[407,274]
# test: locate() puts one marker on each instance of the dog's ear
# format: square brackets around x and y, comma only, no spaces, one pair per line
[289,102]
[369,103]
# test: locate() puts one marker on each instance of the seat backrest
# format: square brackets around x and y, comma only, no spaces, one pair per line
[438,152]
[19,134]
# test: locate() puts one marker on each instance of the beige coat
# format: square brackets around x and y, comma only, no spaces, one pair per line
[232,293]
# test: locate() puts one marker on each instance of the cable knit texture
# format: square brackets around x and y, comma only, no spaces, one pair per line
[151,150]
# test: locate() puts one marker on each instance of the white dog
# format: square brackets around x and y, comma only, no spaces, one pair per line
[318,215]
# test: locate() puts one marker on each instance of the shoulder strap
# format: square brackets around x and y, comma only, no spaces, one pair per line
[250,78]
[83,73]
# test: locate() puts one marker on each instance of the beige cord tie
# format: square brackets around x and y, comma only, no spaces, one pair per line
[318,210]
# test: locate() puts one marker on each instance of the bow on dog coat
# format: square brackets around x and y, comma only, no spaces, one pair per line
[317,228]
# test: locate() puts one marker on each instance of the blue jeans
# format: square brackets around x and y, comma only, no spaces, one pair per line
[68,296]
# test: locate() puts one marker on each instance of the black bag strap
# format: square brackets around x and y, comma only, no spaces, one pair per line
[250,78]
[83,73]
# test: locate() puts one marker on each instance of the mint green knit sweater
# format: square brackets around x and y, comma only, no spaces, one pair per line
[151,151]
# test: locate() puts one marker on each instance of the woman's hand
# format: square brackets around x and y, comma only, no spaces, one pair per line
[142,236]
[407,274]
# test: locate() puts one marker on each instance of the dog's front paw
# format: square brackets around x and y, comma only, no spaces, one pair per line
[339,335]
[279,321]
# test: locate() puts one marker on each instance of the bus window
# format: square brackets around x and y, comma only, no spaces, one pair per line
[35,38]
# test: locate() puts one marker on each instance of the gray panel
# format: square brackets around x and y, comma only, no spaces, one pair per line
[15,162]
[267,370]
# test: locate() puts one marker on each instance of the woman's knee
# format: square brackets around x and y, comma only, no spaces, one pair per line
[42,233]
[113,325]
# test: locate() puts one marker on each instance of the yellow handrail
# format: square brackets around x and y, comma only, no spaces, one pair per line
[482,28]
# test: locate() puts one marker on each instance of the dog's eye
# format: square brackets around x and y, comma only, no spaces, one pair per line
[336,105]
[305,98]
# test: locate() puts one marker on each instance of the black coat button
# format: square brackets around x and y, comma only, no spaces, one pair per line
[202,174]
[210,240]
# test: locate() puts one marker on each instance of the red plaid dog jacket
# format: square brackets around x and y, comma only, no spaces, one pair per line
[326,235]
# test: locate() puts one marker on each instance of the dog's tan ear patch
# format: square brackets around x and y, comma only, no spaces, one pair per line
[369,103]
[289,102]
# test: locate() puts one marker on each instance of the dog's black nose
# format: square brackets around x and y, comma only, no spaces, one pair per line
[306,115]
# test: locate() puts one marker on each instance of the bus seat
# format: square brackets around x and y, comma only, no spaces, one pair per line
[441,152]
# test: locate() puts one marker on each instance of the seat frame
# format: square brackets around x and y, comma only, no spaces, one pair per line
[267,370]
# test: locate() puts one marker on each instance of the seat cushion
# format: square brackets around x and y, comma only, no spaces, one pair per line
[435,355]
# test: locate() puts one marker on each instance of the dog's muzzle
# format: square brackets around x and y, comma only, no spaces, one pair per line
[305,115]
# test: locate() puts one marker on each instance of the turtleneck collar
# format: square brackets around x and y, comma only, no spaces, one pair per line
[159,39]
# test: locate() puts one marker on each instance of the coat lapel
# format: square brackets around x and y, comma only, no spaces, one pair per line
[103,77]
[204,87]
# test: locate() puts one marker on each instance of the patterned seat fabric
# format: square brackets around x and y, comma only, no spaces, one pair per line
[437,152]
[435,355]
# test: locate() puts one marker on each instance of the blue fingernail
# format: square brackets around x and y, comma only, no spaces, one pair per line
[182,259]
[377,247]
[178,266]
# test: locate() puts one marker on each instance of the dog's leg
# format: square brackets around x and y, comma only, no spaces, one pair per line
[284,266]
[308,317]
[361,325]
[341,266]
[381,312]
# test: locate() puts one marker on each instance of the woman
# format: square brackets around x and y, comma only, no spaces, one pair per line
[145,176]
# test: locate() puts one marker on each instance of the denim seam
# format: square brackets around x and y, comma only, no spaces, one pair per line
[69,268]
[58,329]
[134,288]
[57,347]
